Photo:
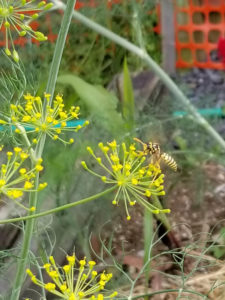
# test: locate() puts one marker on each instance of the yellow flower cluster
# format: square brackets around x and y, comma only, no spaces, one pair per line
[16,15]
[136,179]
[88,283]
[53,121]
[15,179]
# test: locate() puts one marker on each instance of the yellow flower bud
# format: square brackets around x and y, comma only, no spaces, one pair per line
[71,259]
[2,182]
[63,124]
[63,287]
[42,186]
[91,263]
[66,268]
[22,33]
[113,145]
[8,52]
[39,168]
[103,178]
[7,24]
[48,6]
[90,150]
[28,185]
[166,211]
[15,56]
[50,286]
[156,211]
[83,163]
[34,16]
[17,149]
[82,262]
[24,155]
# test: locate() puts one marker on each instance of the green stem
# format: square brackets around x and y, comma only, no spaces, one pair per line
[161,217]
[59,208]
[174,89]
[54,70]
[59,47]
[20,275]
[148,240]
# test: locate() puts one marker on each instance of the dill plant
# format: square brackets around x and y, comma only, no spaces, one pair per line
[125,169]
[33,121]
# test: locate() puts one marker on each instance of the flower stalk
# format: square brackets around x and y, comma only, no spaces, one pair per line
[59,208]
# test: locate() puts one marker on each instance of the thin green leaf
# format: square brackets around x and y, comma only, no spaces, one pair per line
[101,103]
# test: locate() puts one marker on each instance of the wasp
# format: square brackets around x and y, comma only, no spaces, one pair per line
[154,150]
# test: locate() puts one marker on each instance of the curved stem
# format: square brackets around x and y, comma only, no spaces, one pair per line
[59,208]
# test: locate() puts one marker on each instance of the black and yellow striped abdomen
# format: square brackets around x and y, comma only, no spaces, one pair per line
[169,161]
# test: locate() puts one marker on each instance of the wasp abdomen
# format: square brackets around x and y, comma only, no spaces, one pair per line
[169,161]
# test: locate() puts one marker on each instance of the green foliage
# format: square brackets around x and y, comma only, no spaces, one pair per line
[101,104]
[13,81]
[91,56]
[218,249]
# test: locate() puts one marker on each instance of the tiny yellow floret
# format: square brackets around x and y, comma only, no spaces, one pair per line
[50,286]
[33,208]
[39,168]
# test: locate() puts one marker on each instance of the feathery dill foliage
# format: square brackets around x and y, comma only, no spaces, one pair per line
[12,80]
[88,283]
[135,178]
[15,16]
[15,179]
[41,119]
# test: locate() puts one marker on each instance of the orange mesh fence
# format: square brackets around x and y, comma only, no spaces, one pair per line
[199,24]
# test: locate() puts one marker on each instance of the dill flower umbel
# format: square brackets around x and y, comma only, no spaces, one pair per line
[134,177]
[16,16]
[53,121]
[15,179]
[87,284]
